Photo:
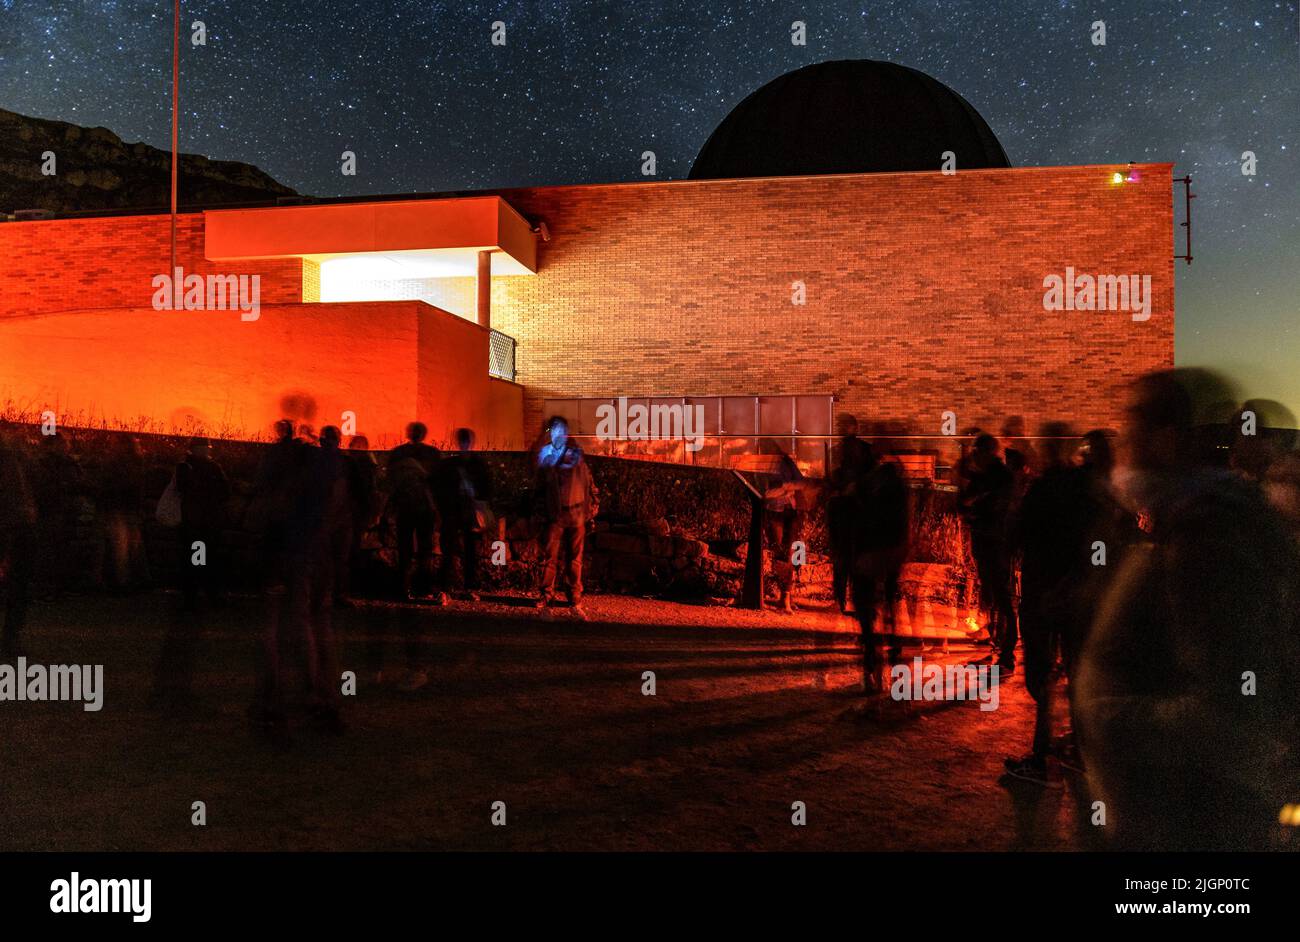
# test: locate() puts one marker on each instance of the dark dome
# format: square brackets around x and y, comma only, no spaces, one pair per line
[852,116]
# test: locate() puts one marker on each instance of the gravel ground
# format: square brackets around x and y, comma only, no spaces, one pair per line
[752,712]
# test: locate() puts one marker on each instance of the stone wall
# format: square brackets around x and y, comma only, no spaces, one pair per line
[662,529]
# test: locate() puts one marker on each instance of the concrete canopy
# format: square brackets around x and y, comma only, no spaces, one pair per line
[430,237]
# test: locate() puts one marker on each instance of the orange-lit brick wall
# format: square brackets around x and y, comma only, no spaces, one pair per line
[924,292]
[161,371]
[110,261]
[923,295]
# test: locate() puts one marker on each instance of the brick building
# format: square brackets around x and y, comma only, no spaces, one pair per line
[921,293]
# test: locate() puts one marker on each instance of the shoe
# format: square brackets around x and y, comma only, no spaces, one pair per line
[579,612]
[440,599]
[1067,754]
[541,603]
[1072,762]
[413,681]
[1029,769]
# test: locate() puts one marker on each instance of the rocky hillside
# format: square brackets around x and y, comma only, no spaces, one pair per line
[96,169]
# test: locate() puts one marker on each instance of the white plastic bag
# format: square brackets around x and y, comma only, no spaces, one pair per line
[168,511]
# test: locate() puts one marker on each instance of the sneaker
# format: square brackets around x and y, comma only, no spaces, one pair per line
[413,681]
[1029,769]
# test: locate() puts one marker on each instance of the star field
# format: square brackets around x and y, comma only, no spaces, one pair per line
[581,89]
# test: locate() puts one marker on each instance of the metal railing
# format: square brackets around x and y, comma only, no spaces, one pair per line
[922,458]
[501,355]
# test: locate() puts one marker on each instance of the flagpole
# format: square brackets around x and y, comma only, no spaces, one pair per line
[176,69]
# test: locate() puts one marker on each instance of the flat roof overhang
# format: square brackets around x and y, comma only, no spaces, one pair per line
[442,236]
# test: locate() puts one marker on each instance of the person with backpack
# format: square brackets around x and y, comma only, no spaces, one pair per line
[411,470]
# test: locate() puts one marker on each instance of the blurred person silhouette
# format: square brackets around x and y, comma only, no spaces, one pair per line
[1185,695]
[1282,489]
[276,490]
[273,488]
[17,543]
[853,457]
[59,481]
[880,541]
[1018,451]
[121,497]
[567,498]
[321,508]
[411,471]
[984,500]
[1051,530]
[203,490]
[1115,528]
[1096,456]
[784,511]
[543,439]
[363,490]
[464,492]
[339,519]
[1263,431]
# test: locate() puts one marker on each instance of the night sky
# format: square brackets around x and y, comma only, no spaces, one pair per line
[418,91]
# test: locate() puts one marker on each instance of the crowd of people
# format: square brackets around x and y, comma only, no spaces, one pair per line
[1155,575]
[313,502]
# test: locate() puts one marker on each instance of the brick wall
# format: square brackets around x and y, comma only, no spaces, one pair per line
[164,371]
[924,292]
[110,261]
